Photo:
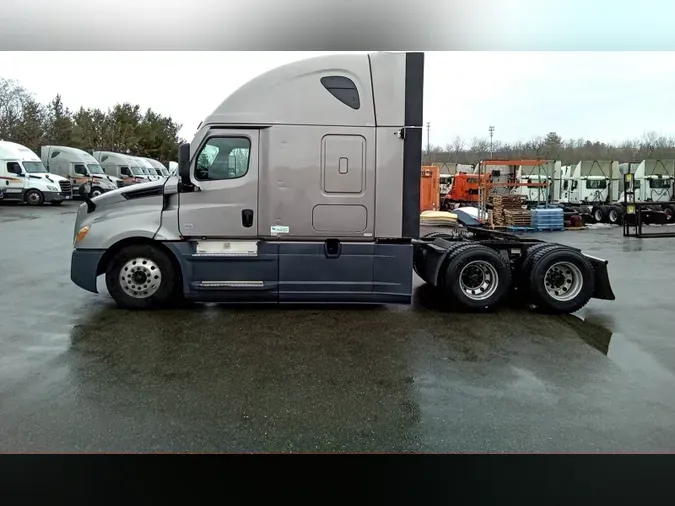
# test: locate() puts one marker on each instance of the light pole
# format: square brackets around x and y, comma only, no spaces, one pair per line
[491,129]
[428,138]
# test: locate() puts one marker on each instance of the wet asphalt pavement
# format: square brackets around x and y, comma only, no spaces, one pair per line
[77,374]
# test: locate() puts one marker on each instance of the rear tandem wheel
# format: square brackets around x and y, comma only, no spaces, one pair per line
[476,277]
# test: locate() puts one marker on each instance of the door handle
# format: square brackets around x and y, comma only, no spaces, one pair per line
[247,218]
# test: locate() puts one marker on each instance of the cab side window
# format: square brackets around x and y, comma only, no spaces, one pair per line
[223,158]
[80,169]
[14,168]
[125,171]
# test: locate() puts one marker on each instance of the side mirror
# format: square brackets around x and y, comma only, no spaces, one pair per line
[184,163]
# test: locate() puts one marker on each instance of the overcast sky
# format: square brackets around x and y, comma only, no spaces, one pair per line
[608,96]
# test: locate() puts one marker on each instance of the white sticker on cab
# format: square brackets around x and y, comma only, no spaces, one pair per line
[280,229]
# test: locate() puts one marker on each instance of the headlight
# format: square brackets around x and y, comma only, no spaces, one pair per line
[81,233]
[52,188]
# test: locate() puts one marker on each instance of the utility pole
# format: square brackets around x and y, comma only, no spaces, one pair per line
[428,138]
[491,129]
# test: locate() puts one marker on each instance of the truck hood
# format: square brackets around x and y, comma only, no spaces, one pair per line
[125,192]
[48,177]
[112,179]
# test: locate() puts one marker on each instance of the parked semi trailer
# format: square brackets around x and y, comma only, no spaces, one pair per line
[24,178]
[304,186]
[78,167]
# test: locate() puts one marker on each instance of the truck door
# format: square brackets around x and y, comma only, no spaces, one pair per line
[221,220]
[225,169]
[13,180]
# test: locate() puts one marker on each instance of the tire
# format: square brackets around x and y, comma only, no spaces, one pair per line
[524,267]
[561,280]
[95,192]
[149,259]
[614,215]
[669,213]
[599,214]
[56,202]
[470,267]
[34,198]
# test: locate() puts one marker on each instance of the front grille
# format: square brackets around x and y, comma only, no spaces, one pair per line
[66,187]
[120,183]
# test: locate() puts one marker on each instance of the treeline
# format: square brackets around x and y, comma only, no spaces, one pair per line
[553,147]
[123,128]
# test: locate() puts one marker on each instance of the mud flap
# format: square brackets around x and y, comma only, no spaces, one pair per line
[603,287]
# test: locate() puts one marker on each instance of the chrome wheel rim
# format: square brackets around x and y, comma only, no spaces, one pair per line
[140,278]
[34,198]
[613,215]
[95,193]
[479,280]
[598,215]
[563,281]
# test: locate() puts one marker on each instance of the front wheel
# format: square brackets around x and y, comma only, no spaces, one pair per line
[96,191]
[141,277]
[34,198]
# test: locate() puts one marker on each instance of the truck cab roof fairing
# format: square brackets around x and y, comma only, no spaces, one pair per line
[294,94]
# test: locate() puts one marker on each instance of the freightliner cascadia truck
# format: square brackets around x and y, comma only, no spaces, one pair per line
[303,186]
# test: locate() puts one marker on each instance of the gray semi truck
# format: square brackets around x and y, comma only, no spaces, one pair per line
[303,186]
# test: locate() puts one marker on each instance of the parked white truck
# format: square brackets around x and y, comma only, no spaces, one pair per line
[304,186]
[149,168]
[587,187]
[78,167]
[537,174]
[159,167]
[24,178]
[122,166]
[654,181]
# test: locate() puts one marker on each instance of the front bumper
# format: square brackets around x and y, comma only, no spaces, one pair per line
[56,196]
[84,268]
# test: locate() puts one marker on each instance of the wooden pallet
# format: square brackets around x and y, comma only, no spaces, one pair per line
[518,218]
[503,203]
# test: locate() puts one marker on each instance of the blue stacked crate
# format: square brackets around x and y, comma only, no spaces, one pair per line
[548,219]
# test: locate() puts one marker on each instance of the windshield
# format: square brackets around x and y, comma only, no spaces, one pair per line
[95,169]
[146,171]
[655,184]
[596,184]
[137,171]
[164,172]
[34,167]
